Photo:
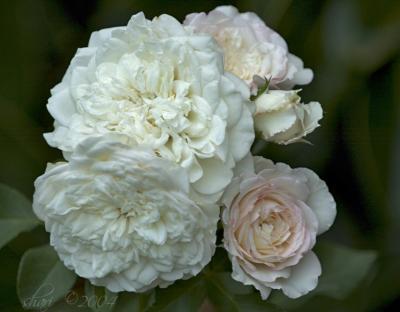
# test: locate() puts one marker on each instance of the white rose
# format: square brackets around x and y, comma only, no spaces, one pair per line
[250,47]
[122,217]
[271,220]
[281,118]
[157,84]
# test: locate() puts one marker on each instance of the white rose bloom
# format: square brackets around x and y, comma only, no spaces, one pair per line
[271,220]
[155,83]
[281,118]
[251,48]
[122,217]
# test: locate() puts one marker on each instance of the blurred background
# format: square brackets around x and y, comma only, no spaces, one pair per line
[353,46]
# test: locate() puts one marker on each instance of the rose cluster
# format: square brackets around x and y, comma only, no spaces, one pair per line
[155,121]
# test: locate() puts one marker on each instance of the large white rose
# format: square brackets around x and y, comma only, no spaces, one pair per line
[123,218]
[250,47]
[157,84]
[271,220]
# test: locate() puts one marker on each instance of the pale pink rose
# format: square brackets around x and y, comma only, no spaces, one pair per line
[271,220]
[250,47]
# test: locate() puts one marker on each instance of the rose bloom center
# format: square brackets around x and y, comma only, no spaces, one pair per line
[149,100]
[269,230]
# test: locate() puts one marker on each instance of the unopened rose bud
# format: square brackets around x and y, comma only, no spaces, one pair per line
[281,118]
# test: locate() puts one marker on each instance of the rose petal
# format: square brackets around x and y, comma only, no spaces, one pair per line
[275,122]
[61,107]
[320,200]
[241,276]
[216,176]
[303,278]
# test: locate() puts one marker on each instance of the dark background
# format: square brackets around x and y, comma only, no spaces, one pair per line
[352,46]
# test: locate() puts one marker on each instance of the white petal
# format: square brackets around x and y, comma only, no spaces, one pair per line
[244,166]
[56,138]
[61,107]
[261,163]
[240,85]
[228,10]
[97,38]
[320,200]
[229,195]
[303,75]
[275,122]
[298,75]
[216,176]
[307,119]
[238,274]
[81,58]
[148,275]
[241,136]
[275,100]
[303,278]
[312,114]
[170,24]
[233,100]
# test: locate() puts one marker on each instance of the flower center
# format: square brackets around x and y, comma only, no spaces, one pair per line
[145,100]
[272,233]
[239,58]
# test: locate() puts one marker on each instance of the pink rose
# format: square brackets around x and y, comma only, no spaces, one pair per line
[250,47]
[271,220]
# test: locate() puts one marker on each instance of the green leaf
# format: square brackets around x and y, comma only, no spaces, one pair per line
[134,302]
[99,299]
[253,302]
[63,306]
[223,294]
[234,287]
[16,214]
[9,268]
[185,295]
[42,278]
[343,269]
[220,262]
[263,89]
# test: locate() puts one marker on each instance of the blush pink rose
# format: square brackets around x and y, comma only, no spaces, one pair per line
[250,47]
[271,220]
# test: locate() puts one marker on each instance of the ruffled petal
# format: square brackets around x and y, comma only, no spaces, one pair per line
[320,200]
[303,278]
